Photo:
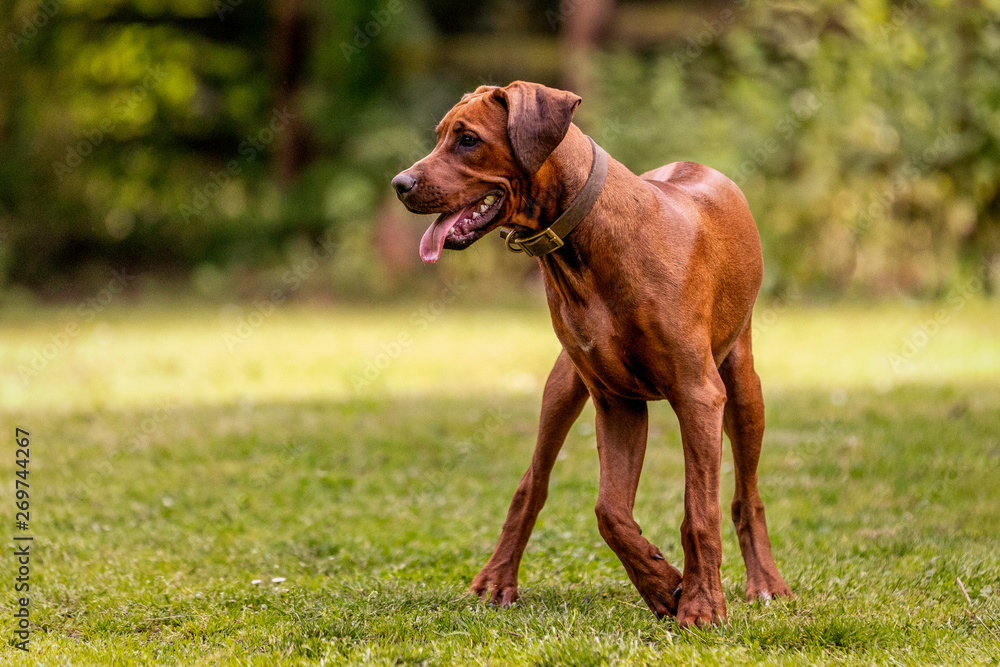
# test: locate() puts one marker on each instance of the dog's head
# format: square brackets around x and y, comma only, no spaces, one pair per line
[489,146]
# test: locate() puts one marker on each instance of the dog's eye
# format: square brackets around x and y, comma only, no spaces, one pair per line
[468,141]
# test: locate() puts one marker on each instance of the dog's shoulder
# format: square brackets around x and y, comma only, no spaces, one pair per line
[677,171]
[698,181]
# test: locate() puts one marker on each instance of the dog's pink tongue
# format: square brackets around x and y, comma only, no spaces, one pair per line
[432,242]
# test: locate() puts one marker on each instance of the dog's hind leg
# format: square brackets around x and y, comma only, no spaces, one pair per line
[564,397]
[698,400]
[621,446]
[744,424]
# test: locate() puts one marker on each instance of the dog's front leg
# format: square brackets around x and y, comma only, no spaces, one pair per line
[699,404]
[621,446]
[564,397]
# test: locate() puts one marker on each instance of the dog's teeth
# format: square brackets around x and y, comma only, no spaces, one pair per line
[489,199]
[482,209]
[475,215]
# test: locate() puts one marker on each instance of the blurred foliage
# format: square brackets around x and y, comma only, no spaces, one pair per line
[864,134]
[208,140]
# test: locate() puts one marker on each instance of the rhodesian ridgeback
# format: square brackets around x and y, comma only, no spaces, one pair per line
[650,282]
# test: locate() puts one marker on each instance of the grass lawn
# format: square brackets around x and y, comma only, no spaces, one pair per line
[314,485]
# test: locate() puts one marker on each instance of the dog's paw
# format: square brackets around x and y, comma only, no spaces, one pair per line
[662,591]
[661,603]
[765,587]
[494,588]
[702,609]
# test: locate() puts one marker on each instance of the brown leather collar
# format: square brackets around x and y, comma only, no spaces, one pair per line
[552,237]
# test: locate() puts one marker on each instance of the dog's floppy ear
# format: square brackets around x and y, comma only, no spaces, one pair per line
[478,91]
[537,120]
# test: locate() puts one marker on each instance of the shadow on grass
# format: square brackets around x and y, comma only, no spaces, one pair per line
[321,525]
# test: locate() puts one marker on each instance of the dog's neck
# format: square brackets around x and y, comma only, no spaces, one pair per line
[567,168]
[601,231]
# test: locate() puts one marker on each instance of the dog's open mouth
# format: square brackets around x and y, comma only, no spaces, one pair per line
[460,229]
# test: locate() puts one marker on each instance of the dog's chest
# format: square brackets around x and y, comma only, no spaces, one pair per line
[585,328]
[604,355]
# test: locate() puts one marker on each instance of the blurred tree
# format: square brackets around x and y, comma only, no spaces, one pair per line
[118,105]
[864,134]
[221,137]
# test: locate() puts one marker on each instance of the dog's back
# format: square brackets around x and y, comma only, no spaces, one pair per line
[727,229]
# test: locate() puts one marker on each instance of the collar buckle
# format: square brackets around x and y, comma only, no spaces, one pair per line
[540,244]
[551,238]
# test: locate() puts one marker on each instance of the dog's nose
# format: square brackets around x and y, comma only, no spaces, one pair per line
[403,183]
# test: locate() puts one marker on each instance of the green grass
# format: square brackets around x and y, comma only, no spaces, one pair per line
[169,472]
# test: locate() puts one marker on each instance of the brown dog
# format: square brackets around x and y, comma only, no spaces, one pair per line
[650,295]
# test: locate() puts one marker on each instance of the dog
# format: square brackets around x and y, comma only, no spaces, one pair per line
[650,282]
